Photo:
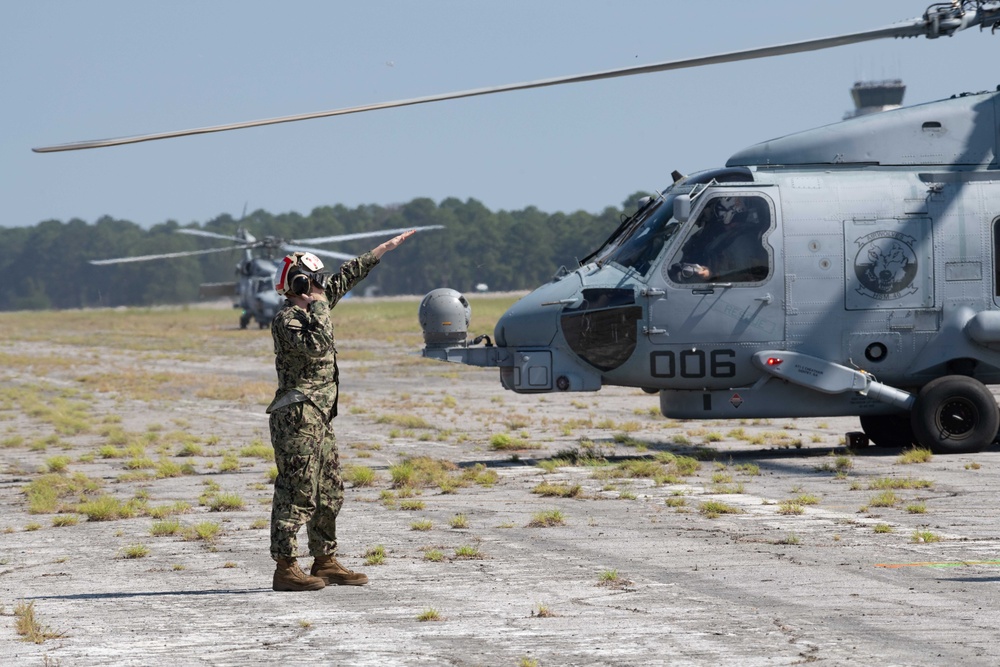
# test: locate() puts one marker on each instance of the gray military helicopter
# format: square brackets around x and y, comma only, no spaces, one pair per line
[253,289]
[847,270]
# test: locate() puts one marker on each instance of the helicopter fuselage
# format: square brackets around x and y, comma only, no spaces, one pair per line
[872,270]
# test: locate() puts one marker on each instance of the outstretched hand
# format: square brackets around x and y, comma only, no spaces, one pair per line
[392,243]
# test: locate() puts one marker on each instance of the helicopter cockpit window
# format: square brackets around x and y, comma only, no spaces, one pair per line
[641,243]
[727,245]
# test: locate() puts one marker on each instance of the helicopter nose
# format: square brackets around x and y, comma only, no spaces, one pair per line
[534,320]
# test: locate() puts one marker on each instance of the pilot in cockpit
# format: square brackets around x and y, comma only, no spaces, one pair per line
[728,246]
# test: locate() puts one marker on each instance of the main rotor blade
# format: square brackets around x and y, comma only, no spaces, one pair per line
[911,28]
[211,235]
[364,235]
[316,251]
[144,258]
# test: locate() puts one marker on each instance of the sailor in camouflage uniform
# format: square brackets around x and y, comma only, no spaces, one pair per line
[309,489]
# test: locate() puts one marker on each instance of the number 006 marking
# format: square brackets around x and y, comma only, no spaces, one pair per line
[693,364]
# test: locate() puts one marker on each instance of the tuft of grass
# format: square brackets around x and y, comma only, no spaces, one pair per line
[547,519]
[135,551]
[924,536]
[64,520]
[109,508]
[542,611]
[882,528]
[884,499]
[434,555]
[790,507]
[430,614]
[28,626]
[226,502]
[205,531]
[360,476]
[411,505]
[421,525]
[375,555]
[57,464]
[899,483]
[915,455]
[258,449]
[714,508]
[468,551]
[459,521]
[165,527]
[558,490]
[503,442]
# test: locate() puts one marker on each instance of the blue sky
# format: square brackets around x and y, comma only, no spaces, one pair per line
[72,71]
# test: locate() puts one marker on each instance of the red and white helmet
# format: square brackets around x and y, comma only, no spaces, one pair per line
[298,263]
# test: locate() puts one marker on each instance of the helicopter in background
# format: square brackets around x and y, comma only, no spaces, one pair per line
[865,282]
[253,290]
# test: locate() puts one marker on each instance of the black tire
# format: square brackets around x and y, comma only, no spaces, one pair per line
[888,430]
[955,415]
[244,320]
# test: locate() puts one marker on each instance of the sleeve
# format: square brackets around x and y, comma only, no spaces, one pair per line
[351,273]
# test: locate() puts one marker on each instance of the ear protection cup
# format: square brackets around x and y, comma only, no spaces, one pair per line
[300,284]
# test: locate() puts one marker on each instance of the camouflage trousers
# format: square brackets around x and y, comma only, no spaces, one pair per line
[309,489]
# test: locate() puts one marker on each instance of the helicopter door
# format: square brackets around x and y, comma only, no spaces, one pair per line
[724,282]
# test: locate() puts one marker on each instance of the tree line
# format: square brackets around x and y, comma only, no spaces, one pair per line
[47,266]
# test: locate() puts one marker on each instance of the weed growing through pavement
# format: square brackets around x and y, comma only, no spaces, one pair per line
[459,521]
[226,502]
[714,508]
[972,466]
[790,507]
[924,536]
[421,525]
[411,505]
[884,499]
[917,508]
[542,611]
[430,614]
[900,483]
[205,531]
[360,476]
[547,519]
[434,555]
[467,551]
[375,555]
[882,528]
[28,626]
[503,442]
[915,455]
[165,527]
[65,520]
[135,551]
[558,490]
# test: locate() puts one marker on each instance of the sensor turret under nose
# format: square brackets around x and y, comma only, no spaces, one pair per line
[444,317]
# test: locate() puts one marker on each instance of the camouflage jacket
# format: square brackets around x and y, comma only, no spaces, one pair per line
[304,345]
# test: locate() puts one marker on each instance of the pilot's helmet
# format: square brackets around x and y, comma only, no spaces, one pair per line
[297,272]
[727,208]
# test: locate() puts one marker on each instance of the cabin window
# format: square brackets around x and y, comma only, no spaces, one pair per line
[727,244]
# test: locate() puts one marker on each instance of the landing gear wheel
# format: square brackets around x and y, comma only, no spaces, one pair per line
[955,415]
[244,320]
[888,430]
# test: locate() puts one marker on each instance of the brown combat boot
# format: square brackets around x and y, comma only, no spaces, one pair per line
[333,573]
[288,577]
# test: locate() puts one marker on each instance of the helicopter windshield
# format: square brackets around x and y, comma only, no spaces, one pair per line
[639,243]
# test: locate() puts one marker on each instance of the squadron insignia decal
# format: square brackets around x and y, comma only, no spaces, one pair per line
[886,265]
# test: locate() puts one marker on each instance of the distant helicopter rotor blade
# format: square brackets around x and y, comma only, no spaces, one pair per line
[316,251]
[939,20]
[144,258]
[364,235]
[212,235]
